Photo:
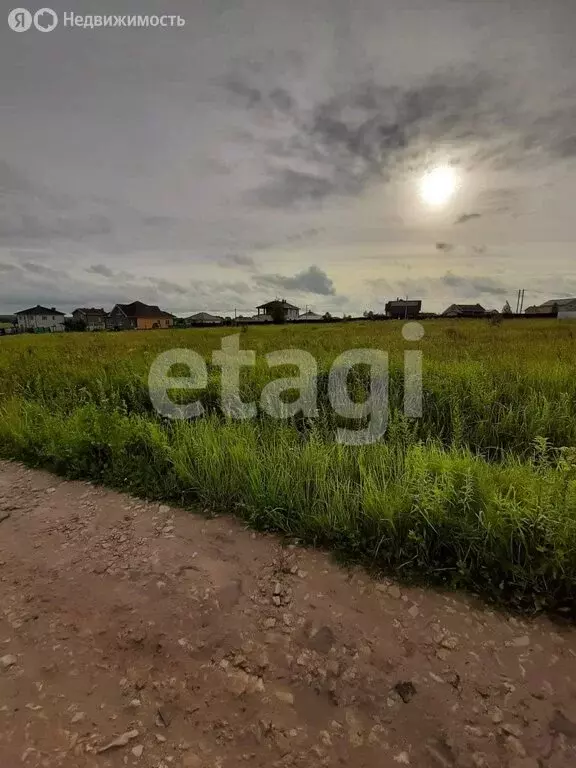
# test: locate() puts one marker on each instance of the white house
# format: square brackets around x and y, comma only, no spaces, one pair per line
[40,319]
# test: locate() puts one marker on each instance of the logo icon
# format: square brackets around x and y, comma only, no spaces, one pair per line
[45,20]
[19,20]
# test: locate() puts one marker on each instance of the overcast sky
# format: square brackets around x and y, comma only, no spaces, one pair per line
[272,148]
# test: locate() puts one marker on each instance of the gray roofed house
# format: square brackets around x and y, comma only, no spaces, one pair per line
[464,310]
[204,318]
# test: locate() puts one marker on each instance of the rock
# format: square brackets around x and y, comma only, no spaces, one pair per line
[4,516]
[403,758]
[277,588]
[515,745]
[497,716]
[449,642]
[414,611]
[406,691]
[269,623]
[159,738]
[394,592]
[164,509]
[121,741]
[276,600]
[8,661]
[285,696]
[513,730]
[78,717]
[138,750]
[521,642]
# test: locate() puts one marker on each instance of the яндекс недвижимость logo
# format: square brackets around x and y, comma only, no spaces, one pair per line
[21,20]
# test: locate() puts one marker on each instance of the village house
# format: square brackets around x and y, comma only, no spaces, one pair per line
[277,308]
[40,319]
[204,318]
[309,317]
[464,310]
[94,319]
[403,309]
[564,309]
[139,316]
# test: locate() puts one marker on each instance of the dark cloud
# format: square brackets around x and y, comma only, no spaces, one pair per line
[236,260]
[100,269]
[446,247]
[7,267]
[40,269]
[359,134]
[311,280]
[465,217]
[470,286]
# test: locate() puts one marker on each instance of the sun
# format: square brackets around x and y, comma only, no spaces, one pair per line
[439,185]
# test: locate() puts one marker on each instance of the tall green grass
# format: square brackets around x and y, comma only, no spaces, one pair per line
[479,493]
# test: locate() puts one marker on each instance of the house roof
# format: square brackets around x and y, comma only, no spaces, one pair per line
[403,303]
[139,309]
[277,304]
[559,302]
[92,311]
[40,310]
[199,316]
[310,316]
[467,307]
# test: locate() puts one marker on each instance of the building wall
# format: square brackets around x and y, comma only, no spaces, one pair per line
[291,314]
[148,323]
[567,314]
[53,323]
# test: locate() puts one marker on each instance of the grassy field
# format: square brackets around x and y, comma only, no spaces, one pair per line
[480,492]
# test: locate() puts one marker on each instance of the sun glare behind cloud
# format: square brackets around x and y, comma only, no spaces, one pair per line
[439,185]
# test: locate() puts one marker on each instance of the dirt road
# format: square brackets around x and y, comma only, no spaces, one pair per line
[199,644]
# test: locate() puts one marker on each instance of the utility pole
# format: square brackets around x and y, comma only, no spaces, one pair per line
[522,300]
[518,302]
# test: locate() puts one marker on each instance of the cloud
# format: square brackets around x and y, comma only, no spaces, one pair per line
[446,247]
[236,260]
[100,269]
[311,280]
[7,267]
[465,217]
[366,131]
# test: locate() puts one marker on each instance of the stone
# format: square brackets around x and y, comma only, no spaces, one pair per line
[414,611]
[394,592]
[285,696]
[138,750]
[8,661]
[79,717]
[521,642]
[120,741]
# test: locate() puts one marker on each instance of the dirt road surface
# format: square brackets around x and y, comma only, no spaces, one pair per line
[135,634]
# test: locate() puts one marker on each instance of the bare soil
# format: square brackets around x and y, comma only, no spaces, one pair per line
[136,634]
